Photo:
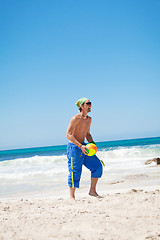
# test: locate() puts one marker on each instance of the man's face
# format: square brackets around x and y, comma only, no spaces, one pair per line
[87,106]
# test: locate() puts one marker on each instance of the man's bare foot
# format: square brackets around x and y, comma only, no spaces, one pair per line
[72,199]
[94,194]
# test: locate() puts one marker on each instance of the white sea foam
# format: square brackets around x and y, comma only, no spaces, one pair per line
[47,171]
[33,166]
[128,160]
[120,159]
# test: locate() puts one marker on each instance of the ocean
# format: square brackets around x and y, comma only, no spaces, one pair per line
[43,171]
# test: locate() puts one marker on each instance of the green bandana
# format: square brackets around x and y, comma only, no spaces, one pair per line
[81,101]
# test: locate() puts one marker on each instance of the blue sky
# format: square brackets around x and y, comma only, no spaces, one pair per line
[54,52]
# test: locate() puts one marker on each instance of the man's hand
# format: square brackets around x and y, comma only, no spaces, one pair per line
[84,149]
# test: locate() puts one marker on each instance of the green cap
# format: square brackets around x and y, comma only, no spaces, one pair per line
[81,101]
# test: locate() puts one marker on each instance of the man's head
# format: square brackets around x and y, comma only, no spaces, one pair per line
[84,104]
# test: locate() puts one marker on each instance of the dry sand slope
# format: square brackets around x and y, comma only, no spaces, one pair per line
[132,215]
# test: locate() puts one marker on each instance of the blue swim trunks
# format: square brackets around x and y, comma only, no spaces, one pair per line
[76,158]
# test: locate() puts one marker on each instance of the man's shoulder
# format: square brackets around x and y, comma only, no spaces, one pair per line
[89,119]
[75,117]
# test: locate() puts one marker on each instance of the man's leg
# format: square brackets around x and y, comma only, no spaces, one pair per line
[75,161]
[72,193]
[95,166]
[92,191]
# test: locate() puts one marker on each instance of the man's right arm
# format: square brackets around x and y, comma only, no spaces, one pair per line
[70,131]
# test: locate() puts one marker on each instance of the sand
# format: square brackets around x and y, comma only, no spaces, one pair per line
[134,214]
[129,210]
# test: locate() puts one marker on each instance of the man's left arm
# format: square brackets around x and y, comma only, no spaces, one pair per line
[89,138]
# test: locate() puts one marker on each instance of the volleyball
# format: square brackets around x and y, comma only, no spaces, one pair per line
[91,149]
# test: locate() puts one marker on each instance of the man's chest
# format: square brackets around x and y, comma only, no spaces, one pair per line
[82,126]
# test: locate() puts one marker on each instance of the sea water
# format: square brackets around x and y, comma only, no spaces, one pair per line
[44,171]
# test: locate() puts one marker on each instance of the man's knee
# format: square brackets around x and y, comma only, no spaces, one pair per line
[74,178]
[98,172]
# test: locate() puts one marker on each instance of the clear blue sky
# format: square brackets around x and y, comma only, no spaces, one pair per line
[53,52]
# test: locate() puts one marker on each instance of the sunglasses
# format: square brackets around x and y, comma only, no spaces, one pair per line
[89,103]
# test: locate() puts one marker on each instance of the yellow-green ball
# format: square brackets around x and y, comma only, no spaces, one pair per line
[91,149]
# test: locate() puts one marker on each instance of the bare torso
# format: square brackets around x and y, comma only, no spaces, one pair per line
[81,127]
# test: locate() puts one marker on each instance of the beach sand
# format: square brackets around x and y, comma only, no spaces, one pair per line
[132,214]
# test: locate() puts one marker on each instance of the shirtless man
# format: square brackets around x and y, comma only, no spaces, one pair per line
[78,130]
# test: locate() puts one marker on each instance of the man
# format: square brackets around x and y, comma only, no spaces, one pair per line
[78,130]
